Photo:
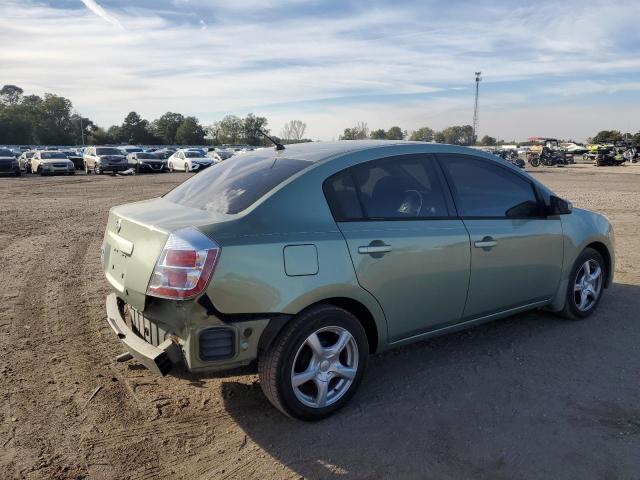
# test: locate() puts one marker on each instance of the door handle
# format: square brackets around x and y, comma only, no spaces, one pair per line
[486,242]
[374,249]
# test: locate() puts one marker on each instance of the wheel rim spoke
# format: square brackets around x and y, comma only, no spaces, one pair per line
[343,340]
[304,377]
[596,274]
[321,396]
[345,372]
[316,347]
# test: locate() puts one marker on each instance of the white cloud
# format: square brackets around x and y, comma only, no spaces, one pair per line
[102,13]
[372,64]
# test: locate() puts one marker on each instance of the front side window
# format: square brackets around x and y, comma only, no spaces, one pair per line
[489,191]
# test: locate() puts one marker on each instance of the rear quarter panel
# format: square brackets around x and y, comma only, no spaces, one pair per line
[250,276]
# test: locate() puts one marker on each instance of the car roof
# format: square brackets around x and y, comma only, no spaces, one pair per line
[319,151]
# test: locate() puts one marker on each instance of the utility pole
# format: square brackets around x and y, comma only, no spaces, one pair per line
[475,108]
[81,130]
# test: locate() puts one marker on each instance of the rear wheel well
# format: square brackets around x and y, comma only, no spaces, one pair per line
[602,249]
[359,311]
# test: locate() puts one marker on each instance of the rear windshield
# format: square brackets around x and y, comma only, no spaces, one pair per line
[234,185]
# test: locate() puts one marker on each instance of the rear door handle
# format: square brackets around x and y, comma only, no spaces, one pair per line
[374,249]
[486,242]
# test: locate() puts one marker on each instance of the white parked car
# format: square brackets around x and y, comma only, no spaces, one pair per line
[189,161]
[50,162]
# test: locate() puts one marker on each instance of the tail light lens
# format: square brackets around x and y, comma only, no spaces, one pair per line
[185,265]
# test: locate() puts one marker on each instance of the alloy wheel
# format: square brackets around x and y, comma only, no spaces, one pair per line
[587,285]
[324,367]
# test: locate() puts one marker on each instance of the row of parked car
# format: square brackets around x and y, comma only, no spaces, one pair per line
[100,159]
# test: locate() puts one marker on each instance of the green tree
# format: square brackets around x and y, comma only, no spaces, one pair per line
[424,134]
[115,134]
[458,135]
[395,133]
[10,95]
[488,141]
[250,126]
[136,129]
[190,132]
[607,136]
[166,127]
[53,125]
[229,129]
[359,132]
[378,134]
[99,136]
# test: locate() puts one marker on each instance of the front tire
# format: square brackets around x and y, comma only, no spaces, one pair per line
[96,169]
[315,364]
[170,167]
[186,167]
[586,284]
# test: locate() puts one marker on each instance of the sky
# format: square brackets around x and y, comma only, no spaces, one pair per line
[563,69]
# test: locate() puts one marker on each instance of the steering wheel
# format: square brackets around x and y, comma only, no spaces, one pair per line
[412,203]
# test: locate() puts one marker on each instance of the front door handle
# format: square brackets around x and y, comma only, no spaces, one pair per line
[374,249]
[486,242]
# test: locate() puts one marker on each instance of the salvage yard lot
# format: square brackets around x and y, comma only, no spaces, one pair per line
[532,396]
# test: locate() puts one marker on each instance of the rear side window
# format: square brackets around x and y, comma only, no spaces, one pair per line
[393,188]
[342,197]
[490,191]
[235,184]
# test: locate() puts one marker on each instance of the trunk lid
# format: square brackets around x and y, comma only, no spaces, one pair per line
[135,236]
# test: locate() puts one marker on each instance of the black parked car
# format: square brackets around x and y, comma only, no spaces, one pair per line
[9,163]
[76,158]
[146,162]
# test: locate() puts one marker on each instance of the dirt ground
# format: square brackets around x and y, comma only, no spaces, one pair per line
[529,397]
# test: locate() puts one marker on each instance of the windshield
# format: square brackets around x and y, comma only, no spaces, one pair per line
[108,151]
[191,154]
[146,155]
[234,185]
[6,153]
[45,155]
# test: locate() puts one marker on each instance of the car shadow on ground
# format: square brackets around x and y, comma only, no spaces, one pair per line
[531,396]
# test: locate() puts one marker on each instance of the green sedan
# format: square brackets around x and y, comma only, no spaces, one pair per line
[309,259]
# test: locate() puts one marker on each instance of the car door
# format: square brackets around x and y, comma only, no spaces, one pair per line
[408,249]
[516,251]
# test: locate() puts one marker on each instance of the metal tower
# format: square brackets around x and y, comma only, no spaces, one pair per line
[475,108]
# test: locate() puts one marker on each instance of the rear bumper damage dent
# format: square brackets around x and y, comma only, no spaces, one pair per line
[158,359]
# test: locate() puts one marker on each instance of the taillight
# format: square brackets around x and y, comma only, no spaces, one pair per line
[185,265]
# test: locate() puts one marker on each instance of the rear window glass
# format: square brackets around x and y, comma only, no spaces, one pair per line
[234,185]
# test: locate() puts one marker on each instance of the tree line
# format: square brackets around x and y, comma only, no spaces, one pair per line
[51,120]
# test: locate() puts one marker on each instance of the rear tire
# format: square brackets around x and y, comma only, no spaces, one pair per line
[326,344]
[186,167]
[585,288]
[96,169]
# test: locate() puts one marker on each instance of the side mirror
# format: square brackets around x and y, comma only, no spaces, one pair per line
[558,206]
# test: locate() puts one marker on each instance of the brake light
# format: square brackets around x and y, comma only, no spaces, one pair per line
[185,265]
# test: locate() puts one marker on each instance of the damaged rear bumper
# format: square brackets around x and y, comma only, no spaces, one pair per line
[158,359]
